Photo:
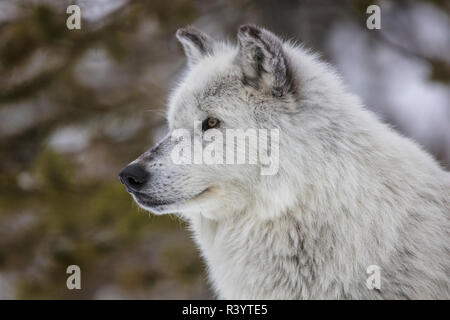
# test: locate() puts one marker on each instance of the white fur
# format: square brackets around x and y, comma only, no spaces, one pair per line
[350,193]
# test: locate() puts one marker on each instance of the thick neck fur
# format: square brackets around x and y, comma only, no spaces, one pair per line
[321,246]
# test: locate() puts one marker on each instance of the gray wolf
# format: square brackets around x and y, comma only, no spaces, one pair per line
[349,193]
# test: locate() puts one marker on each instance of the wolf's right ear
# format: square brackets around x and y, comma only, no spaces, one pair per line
[196,44]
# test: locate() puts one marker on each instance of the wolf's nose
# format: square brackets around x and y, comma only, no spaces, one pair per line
[133,177]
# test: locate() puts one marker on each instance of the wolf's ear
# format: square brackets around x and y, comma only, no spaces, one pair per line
[196,44]
[263,62]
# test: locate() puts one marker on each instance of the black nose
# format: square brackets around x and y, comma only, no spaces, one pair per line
[133,177]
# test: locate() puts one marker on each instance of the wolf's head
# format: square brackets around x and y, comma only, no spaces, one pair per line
[255,85]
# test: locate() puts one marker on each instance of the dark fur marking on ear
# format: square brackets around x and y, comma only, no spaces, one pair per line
[262,52]
[195,43]
[194,37]
[254,32]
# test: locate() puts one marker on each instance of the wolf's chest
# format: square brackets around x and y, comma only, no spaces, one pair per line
[249,263]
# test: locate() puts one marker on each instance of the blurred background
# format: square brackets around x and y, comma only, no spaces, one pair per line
[77,105]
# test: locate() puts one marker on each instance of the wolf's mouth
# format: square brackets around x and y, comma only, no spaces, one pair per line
[150,202]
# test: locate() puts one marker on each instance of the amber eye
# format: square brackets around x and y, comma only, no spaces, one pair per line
[209,123]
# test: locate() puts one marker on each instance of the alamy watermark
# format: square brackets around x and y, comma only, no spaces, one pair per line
[236,146]
[374,279]
[74,20]
[74,280]
[374,20]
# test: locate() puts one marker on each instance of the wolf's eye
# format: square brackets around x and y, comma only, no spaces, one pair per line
[209,123]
